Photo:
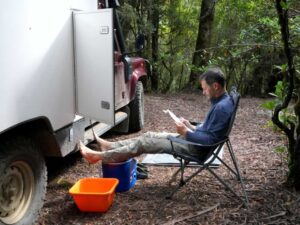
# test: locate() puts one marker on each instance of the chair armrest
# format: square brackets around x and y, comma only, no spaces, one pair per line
[185,142]
[194,123]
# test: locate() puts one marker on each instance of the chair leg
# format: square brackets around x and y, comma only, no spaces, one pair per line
[228,167]
[229,146]
[173,178]
[170,194]
[223,182]
[182,182]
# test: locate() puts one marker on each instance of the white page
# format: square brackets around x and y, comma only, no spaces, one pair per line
[174,117]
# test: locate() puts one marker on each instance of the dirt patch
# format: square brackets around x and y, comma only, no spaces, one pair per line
[264,171]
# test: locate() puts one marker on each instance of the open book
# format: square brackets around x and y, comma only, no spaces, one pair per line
[174,117]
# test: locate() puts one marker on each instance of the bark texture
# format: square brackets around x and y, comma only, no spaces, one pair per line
[204,37]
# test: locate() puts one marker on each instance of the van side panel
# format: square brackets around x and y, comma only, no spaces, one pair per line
[36,62]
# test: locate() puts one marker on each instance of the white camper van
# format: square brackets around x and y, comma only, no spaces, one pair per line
[64,70]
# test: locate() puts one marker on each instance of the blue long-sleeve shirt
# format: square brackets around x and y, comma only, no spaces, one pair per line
[216,122]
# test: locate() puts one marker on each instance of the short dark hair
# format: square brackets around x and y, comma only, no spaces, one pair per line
[213,75]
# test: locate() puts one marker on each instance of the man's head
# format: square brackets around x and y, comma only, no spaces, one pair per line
[213,83]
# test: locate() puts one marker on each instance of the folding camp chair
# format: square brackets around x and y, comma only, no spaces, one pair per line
[212,153]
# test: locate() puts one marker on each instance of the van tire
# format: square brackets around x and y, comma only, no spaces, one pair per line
[23,175]
[136,117]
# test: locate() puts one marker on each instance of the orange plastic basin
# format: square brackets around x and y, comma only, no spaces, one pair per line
[94,194]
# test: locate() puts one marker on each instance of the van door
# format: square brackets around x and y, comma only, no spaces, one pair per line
[94,69]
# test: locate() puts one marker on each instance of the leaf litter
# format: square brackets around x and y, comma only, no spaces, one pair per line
[203,200]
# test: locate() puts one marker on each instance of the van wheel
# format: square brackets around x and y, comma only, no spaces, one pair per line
[23,181]
[136,117]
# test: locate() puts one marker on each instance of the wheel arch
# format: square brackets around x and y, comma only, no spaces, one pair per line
[143,79]
[39,130]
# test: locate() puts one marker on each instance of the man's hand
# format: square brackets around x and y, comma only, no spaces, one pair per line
[181,129]
[187,123]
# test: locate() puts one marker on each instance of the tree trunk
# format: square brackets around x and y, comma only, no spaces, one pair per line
[297,145]
[293,145]
[297,164]
[204,36]
[154,16]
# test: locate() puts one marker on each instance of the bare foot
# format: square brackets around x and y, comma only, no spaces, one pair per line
[90,155]
[103,144]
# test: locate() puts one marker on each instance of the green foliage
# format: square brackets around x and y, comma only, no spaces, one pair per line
[270,105]
[280,149]
[279,92]
[286,116]
[285,5]
[177,37]
[246,40]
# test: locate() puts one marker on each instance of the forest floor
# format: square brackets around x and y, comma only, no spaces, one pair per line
[203,200]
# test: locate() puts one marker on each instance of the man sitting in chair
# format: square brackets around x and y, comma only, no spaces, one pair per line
[211,131]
